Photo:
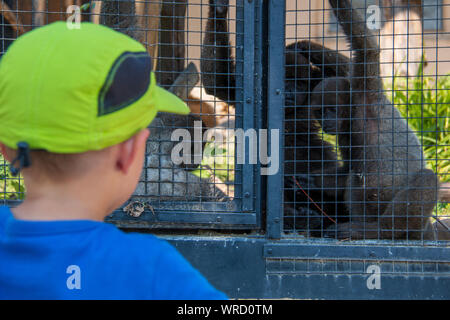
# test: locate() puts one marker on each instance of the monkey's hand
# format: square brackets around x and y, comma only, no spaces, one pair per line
[353,231]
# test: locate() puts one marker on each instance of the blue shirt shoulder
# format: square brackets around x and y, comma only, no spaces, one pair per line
[92,260]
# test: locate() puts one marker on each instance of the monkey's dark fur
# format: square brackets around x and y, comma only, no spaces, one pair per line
[7,34]
[217,65]
[305,152]
[388,191]
[120,15]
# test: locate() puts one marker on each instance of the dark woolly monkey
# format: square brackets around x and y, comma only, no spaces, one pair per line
[388,191]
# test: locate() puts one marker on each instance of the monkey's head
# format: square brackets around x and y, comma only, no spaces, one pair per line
[220,7]
[299,72]
[328,100]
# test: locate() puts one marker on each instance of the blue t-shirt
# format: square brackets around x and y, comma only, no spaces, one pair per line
[84,259]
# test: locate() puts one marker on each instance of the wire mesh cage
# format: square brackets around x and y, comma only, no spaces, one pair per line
[190,165]
[367,120]
[354,167]
[362,187]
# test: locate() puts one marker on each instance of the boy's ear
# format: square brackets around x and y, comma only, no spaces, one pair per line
[130,149]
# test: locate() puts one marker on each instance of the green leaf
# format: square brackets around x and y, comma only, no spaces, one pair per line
[86,6]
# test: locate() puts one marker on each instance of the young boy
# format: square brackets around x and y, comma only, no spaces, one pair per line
[74,110]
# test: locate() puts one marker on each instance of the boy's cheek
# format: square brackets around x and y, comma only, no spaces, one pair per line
[139,162]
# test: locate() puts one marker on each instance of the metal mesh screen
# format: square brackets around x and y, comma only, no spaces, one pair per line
[353,267]
[366,125]
[190,163]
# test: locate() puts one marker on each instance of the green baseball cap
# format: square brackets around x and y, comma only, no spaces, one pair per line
[74,90]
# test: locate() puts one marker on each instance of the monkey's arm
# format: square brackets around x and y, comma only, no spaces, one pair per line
[366,63]
[217,65]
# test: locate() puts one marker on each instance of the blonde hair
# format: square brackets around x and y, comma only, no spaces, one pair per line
[58,166]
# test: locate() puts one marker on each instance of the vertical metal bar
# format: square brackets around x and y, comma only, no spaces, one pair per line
[275,102]
[239,52]
[258,101]
[248,95]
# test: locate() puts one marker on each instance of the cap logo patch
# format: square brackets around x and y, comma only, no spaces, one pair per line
[127,81]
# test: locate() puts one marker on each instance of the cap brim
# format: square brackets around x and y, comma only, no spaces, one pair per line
[166,101]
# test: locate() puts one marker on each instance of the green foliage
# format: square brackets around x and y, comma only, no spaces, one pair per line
[425,103]
[11,188]
[217,160]
[87,6]
[442,209]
